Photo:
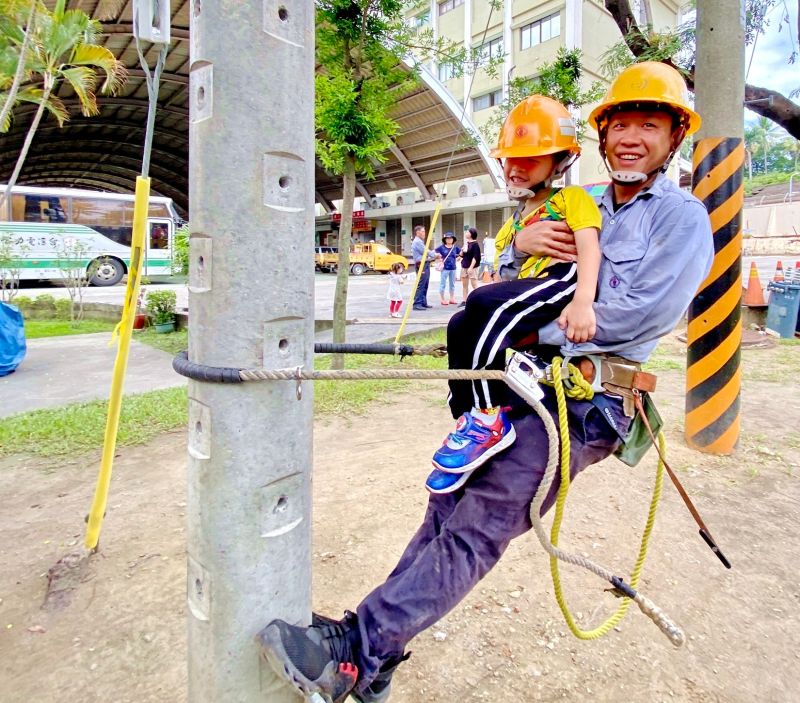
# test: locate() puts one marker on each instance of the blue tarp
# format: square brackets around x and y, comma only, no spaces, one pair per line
[12,339]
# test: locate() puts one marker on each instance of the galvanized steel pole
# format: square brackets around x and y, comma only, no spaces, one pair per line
[713,375]
[251,301]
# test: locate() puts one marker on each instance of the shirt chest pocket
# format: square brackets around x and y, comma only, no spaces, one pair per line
[621,261]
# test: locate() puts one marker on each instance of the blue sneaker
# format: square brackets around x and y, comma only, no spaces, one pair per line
[473,443]
[440,482]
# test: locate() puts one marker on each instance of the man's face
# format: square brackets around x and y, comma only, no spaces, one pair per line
[528,171]
[421,233]
[638,140]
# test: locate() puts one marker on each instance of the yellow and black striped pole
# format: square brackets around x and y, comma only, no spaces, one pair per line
[713,374]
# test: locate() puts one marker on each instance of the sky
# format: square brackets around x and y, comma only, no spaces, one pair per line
[770,67]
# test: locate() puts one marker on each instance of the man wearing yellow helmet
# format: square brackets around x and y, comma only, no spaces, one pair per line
[656,249]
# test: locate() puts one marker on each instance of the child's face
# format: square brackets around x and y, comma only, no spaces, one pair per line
[527,171]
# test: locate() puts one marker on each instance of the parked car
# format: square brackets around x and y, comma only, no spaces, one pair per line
[366,256]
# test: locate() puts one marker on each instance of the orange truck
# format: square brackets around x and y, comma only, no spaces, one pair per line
[368,256]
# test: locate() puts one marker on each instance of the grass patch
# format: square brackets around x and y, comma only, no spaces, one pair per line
[173,342]
[80,427]
[36,329]
[353,397]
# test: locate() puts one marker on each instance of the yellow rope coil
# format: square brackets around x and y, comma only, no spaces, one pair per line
[561,500]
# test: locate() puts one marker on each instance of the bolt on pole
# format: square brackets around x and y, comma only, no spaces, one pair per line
[713,374]
[251,304]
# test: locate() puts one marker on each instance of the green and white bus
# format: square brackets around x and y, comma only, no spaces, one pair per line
[45,225]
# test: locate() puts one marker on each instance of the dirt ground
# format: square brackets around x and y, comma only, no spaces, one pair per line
[122,636]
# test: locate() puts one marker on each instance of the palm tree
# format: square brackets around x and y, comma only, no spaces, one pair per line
[63,48]
[9,10]
[764,133]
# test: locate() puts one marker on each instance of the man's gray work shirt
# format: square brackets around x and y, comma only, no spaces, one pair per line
[657,249]
[418,249]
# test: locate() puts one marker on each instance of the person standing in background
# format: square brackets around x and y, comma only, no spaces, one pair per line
[446,256]
[470,260]
[487,259]
[423,268]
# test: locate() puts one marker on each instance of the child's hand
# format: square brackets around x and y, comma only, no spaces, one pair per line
[579,322]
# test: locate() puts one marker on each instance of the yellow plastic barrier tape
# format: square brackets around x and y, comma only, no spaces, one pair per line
[122,333]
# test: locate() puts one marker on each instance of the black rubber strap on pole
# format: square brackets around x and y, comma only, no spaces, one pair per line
[200,372]
[330,348]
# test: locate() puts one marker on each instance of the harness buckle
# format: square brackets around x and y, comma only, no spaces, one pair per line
[524,373]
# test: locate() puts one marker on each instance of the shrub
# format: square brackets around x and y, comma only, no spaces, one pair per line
[160,306]
[45,302]
[180,251]
[63,309]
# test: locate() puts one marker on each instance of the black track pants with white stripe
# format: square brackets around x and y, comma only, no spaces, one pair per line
[496,317]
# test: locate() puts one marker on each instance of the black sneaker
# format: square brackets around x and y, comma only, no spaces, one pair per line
[316,659]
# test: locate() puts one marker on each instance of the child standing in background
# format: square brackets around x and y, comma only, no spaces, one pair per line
[394,294]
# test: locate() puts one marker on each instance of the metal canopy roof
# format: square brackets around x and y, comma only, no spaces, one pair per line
[105,152]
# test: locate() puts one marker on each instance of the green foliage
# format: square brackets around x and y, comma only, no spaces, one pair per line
[180,251]
[63,309]
[754,184]
[160,305]
[559,79]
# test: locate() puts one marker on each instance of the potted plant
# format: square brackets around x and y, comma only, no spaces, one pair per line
[140,318]
[161,308]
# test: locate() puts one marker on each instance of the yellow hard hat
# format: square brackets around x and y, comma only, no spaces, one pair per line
[537,126]
[648,82]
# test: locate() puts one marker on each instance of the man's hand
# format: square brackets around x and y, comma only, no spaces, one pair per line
[547,238]
[578,321]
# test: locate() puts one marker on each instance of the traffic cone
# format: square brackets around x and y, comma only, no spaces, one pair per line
[778,272]
[754,294]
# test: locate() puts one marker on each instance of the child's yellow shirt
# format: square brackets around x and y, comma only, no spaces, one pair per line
[572,204]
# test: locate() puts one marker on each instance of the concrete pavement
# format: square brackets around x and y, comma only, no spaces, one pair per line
[58,371]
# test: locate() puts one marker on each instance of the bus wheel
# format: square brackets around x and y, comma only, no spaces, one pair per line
[358,269]
[107,271]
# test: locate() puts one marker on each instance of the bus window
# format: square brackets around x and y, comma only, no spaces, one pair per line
[159,236]
[159,210]
[112,218]
[44,208]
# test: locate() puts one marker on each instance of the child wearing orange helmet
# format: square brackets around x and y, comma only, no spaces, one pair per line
[537,144]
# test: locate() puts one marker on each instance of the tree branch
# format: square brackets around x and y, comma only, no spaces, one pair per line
[779,109]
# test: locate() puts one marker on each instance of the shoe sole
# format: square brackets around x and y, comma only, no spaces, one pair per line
[504,443]
[461,481]
[274,654]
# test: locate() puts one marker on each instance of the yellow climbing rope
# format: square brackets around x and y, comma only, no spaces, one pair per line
[581,389]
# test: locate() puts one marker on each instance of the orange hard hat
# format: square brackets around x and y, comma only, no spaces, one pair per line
[537,126]
[650,82]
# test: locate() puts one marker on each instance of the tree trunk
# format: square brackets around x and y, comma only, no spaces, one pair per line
[48,86]
[343,275]
[12,91]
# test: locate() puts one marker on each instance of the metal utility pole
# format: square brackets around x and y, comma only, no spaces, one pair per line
[713,375]
[251,304]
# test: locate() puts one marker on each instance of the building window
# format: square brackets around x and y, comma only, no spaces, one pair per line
[485,101]
[540,31]
[448,5]
[446,72]
[420,20]
[491,50]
